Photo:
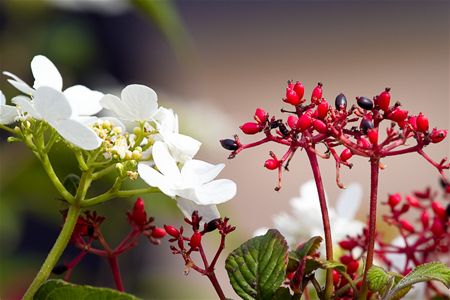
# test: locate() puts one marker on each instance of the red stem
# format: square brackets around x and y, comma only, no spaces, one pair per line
[114,264]
[325,218]
[212,277]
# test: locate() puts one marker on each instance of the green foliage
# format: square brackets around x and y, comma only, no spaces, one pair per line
[71,183]
[298,255]
[59,289]
[258,267]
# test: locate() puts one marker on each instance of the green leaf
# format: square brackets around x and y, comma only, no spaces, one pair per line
[314,263]
[308,248]
[282,293]
[59,289]
[426,272]
[258,267]
[378,278]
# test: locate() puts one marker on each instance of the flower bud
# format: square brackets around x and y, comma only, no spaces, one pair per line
[158,232]
[394,199]
[292,97]
[384,99]
[139,215]
[362,142]
[404,224]
[229,144]
[413,201]
[271,164]
[346,259]
[348,244]
[422,123]
[322,109]
[320,126]
[437,228]
[292,122]
[195,240]
[425,219]
[438,209]
[352,266]
[437,136]
[299,89]
[304,122]
[336,277]
[413,122]
[316,95]
[172,231]
[251,128]
[346,154]
[372,134]
[260,116]
[398,115]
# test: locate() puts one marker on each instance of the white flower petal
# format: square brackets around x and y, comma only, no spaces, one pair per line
[198,172]
[26,106]
[45,73]
[141,100]
[2,98]
[77,134]
[260,231]
[155,179]
[166,120]
[84,101]
[215,192]
[207,212]
[182,147]
[165,162]
[19,83]
[8,114]
[51,104]
[349,201]
[116,105]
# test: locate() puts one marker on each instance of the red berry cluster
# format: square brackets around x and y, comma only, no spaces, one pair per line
[357,128]
[87,231]
[186,245]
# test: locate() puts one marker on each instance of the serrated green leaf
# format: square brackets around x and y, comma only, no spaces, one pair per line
[426,272]
[59,289]
[314,263]
[258,267]
[308,248]
[378,278]
[282,293]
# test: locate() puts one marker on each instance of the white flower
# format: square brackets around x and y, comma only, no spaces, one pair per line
[194,182]
[137,103]
[84,102]
[182,147]
[52,106]
[8,113]
[306,218]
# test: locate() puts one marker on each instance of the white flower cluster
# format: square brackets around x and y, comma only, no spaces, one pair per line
[164,156]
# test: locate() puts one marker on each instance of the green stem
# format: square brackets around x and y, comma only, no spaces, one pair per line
[54,178]
[103,172]
[55,252]
[117,194]
[10,130]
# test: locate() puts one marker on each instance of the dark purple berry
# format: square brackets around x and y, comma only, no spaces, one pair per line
[59,269]
[229,144]
[340,102]
[447,210]
[366,124]
[212,225]
[284,131]
[365,103]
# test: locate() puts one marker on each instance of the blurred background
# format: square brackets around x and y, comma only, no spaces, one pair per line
[214,62]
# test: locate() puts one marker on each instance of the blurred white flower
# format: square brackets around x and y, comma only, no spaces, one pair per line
[101,6]
[194,182]
[182,147]
[52,106]
[84,102]
[8,113]
[305,219]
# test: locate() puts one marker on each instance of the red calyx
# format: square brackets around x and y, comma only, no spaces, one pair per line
[304,122]
[195,240]
[346,154]
[406,225]
[139,215]
[372,134]
[320,126]
[158,232]
[292,122]
[292,97]
[384,99]
[172,231]
[437,136]
[299,89]
[394,199]
[251,128]
[260,116]
[316,95]
[439,210]
[422,123]
[322,109]
[271,164]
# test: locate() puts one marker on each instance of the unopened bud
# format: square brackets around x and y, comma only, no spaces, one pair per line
[195,240]
[251,128]
[406,225]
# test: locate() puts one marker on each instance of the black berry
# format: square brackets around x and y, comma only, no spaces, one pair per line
[365,103]
[229,144]
[340,102]
[211,225]
[366,124]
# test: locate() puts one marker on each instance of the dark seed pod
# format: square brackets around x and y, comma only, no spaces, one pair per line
[59,269]
[284,131]
[229,144]
[447,210]
[365,103]
[212,225]
[340,102]
[365,125]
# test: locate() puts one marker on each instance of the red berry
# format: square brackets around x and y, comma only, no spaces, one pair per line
[406,225]
[437,228]
[438,209]
[352,266]
[346,154]
[422,123]
[362,142]
[251,128]
[437,136]
[271,164]
[292,97]
[299,89]
[398,115]
[322,109]
[172,231]
[346,259]
[316,95]
[320,126]
[260,116]
[195,240]
[158,232]
[372,134]
[384,99]
[348,244]
[336,277]
[413,201]
[292,122]
[413,122]
[139,215]
[425,219]
[304,122]
[394,199]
